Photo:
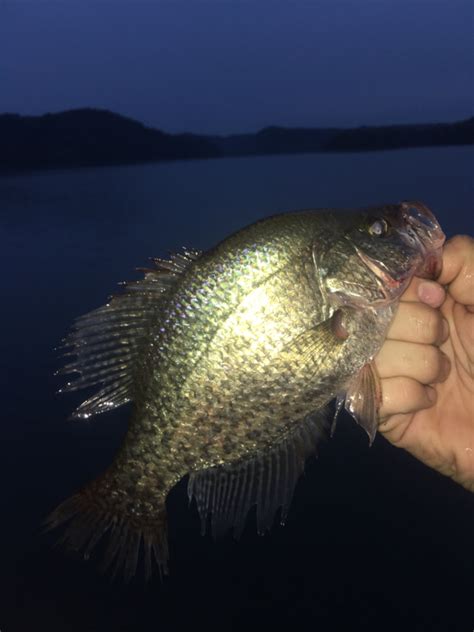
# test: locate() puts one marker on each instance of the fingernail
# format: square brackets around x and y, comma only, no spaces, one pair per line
[424,291]
[430,293]
[431,394]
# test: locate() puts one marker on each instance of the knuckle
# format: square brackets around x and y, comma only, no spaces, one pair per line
[463,243]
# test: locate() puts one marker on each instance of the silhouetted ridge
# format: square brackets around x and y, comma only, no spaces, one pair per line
[98,137]
[90,137]
[398,136]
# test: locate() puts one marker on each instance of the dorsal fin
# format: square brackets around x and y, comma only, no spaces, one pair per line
[106,341]
[268,480]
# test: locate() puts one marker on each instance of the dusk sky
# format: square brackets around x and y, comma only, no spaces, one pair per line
[222,66]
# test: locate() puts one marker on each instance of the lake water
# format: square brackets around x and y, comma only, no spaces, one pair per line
[372,536]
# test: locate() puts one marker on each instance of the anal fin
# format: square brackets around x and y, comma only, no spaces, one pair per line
[228,492]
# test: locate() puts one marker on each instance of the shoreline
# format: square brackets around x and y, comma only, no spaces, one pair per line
[84,138]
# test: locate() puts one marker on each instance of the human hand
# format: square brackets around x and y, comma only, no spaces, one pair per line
[427,368]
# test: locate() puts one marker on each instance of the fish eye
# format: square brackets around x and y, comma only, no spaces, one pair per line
[378,228]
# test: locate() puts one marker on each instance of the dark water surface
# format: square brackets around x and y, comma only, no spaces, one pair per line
[374,540]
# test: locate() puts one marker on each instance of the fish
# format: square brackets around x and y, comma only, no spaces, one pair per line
[230,358]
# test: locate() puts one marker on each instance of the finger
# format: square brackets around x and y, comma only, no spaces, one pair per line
[401,395]
[417,322]
[464,325]
[429,292]
[424,363]
[394,427]
[458,269]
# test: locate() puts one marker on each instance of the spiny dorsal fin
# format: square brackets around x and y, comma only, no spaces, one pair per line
[228,492]
[106,342]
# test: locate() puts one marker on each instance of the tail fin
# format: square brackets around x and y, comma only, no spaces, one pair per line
[97,511]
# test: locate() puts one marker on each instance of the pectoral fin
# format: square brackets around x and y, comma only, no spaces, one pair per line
[363,399]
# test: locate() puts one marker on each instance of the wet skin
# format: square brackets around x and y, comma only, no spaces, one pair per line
[427,368]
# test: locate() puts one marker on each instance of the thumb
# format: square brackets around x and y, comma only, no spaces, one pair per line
[458,269]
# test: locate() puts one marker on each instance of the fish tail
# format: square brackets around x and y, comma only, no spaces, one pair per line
[135,531]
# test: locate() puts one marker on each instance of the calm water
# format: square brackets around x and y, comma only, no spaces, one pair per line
[372,537]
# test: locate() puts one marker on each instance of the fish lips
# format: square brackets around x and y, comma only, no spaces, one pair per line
[422,231]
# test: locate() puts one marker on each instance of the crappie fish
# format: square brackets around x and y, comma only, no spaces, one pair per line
[230,358]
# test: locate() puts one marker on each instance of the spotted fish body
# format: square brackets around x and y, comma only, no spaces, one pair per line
[230,358]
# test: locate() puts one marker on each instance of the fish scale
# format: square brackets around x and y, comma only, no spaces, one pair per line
[230,358]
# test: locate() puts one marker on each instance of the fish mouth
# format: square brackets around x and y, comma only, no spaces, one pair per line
[421,232]
[389,286]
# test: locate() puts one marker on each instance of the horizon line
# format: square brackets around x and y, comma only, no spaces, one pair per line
[223,134]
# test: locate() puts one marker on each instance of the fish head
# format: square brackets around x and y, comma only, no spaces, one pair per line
[371,256]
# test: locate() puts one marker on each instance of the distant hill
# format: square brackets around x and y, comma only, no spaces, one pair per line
[275,140]
[90,137]
[398,136]
[98,137]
